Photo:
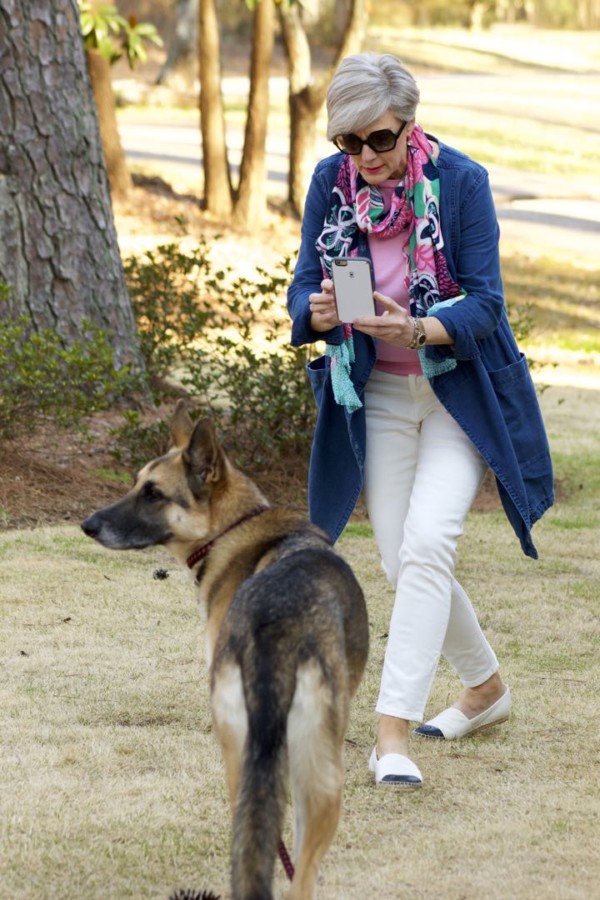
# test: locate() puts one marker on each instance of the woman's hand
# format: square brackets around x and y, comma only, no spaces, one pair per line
[324,315]
[394,325]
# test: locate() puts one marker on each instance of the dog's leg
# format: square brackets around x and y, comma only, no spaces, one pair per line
[316,728]
[320,815]
[230,721]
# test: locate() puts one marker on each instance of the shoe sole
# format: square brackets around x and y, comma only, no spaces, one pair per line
[398,785]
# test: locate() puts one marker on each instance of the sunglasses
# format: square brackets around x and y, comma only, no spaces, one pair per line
[379,141]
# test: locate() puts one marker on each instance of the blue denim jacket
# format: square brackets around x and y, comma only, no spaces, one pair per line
[489,392]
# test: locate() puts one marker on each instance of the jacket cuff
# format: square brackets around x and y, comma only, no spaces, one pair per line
[303,333]
[464,346]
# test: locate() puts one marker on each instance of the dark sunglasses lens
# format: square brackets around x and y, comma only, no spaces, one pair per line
[349,143]
[383,140]
[379,141]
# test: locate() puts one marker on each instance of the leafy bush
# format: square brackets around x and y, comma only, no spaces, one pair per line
[165,286]
[137,441]
[39,377]
[224,340]
[521,318]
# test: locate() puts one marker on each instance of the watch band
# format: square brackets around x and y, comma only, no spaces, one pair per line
[419,335]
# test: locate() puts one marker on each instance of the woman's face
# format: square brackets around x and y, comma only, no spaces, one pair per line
[378,167]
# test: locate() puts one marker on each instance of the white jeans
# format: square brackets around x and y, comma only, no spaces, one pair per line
[422,475]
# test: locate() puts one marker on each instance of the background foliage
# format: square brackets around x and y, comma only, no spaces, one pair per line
[114,35]
[235,17]
[41,377]
[223,338]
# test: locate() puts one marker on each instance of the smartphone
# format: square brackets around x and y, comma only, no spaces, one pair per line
[353,283]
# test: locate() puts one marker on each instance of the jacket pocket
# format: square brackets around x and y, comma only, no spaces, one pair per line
[318,373]
[517,398]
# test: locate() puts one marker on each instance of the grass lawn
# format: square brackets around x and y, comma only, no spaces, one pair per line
[558,304]
[112,781]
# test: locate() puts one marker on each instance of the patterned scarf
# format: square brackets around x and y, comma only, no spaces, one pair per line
[356,209]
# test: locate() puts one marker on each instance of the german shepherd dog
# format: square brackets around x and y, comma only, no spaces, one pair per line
[287,644]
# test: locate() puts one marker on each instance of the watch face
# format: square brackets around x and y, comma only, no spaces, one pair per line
[421,339]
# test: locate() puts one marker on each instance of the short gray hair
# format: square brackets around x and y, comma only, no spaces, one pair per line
[365,87]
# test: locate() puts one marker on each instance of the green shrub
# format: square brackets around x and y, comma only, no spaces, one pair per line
[39,377]
[521,318]
[138,441]
[164,286]
[224,340]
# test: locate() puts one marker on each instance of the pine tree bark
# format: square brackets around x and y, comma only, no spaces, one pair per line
[58,245]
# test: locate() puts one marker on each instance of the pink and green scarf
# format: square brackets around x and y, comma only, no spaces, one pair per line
[355,211]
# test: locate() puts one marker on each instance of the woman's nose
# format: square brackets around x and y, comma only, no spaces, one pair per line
[366,154]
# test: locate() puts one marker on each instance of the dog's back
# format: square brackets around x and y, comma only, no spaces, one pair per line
[290,654]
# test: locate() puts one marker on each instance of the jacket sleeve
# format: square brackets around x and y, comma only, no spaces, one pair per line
[472,250]
[308,272]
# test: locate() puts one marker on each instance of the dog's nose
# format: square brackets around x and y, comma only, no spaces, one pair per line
[91,525]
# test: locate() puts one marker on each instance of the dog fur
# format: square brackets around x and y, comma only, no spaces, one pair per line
[287,644]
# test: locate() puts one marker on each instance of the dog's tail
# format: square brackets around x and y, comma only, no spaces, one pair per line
[261,799]
[296,720]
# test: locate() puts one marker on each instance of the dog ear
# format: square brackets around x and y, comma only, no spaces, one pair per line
[204,454]
[180,425]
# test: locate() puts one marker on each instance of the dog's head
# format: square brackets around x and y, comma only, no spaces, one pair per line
[175,497]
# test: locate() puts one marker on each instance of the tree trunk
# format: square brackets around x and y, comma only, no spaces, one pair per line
[302,117]
[58,245]
[306,97]
[343,11]
[217,177]
[114,156]
[179,68]
[477,11]
[251,201]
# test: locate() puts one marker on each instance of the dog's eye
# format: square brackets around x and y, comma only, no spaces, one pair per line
[152,493]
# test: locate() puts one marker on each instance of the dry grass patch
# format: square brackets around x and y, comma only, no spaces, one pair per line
[112,782]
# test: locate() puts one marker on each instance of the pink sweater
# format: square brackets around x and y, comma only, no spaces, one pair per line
[389,265]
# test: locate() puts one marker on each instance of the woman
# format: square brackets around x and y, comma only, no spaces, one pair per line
[416,402]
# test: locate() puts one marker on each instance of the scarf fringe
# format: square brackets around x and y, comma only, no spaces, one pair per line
[342,356]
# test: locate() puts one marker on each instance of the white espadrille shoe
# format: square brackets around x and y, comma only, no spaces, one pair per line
[395,771]
[452,723]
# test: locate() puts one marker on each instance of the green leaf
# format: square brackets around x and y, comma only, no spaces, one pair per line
[101,25]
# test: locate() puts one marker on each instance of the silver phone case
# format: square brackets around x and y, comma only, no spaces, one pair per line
[353,283]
